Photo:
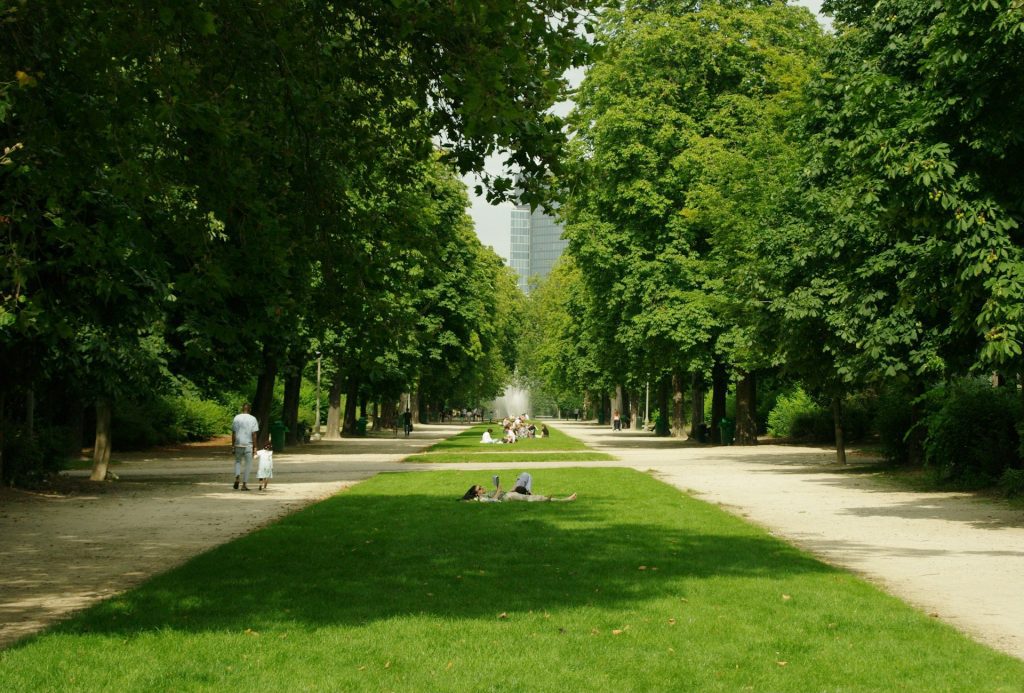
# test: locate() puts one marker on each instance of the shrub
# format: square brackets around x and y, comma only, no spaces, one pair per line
[198,419]
[795,415]
[30,458]
[1012,482]
[142,424]
[893,418]
[972,431]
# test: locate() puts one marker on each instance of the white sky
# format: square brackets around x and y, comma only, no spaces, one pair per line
[493,221]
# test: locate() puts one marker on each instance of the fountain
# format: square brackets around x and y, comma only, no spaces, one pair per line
[514,402]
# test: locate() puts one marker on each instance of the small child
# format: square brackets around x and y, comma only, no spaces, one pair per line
[265,459]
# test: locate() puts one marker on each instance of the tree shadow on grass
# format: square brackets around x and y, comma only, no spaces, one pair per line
[354,559]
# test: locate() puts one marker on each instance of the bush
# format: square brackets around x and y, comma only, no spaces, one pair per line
[136,425]
[199,419]
[168,419]
[28,459]
[972,431]
[893,419]
[1012,482]
[797,415]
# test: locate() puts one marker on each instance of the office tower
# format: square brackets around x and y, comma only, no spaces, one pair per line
[536,244]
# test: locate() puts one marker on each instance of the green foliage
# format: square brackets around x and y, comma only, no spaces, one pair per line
[972,435]
[1011,483]
[893,421]
[199,419]
[789,407]
[916,177]
[145,421]
[29,459]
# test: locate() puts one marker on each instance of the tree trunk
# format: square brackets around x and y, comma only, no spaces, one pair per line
[719,387]
[696,403]
[837,419]
[388,415]
[101,449]
[412,403]
[30,413]
[661,426]
[334,409]
[678,426]
[3,427]
[746,410]
[634,412]
[290,409]
[348,422]
[916,435]
[264,396]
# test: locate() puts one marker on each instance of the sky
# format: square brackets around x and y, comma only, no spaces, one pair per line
[492,222]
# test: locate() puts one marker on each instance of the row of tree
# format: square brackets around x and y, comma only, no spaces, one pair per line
[746,193]
[218,189]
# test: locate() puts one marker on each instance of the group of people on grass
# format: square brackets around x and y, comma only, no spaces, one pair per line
[514,429]
[521,491]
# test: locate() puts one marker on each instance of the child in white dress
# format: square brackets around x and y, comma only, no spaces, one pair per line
[265,460]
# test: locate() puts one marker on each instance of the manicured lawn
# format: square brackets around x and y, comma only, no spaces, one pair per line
[509,456]
[466,447]
[469,440]
[393,585]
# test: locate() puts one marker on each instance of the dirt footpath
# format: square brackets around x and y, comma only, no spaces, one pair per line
[64,551]
[954,557]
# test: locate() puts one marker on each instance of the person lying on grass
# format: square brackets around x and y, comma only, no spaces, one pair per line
[479,493]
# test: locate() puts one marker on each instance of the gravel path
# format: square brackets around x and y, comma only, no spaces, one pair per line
[957,558]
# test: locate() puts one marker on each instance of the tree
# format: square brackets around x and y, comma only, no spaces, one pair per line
[678,167]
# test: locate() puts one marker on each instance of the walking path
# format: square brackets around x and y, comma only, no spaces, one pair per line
[957,558]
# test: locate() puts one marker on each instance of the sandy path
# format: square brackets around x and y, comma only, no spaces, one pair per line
[957,558]
[59,554]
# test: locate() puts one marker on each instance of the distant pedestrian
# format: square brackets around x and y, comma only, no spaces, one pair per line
[244,428]
[616,421]
[265,465]
[407,422]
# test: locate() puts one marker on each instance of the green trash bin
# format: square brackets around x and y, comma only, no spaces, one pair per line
[727,430]
[361,426]
[277,431]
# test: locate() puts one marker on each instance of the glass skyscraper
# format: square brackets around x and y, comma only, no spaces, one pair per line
[536,244]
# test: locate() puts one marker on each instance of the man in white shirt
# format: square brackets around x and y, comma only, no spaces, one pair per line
[243,433]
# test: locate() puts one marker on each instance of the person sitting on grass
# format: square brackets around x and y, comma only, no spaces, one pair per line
[479,493]
[486,438]
[543,430]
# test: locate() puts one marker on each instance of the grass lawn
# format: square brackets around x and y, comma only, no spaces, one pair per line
[393,585]
[510,454]
[466,447]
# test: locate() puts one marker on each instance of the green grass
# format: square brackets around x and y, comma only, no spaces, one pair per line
[469,440]
[393,585]
[509,456]
[466,447]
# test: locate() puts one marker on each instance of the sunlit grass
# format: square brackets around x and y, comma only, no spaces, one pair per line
[510,456]
[393,585]
[466,447]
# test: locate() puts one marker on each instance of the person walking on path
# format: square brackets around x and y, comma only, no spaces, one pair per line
[616,421]
[265,465]
[243,432]
[407,422]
